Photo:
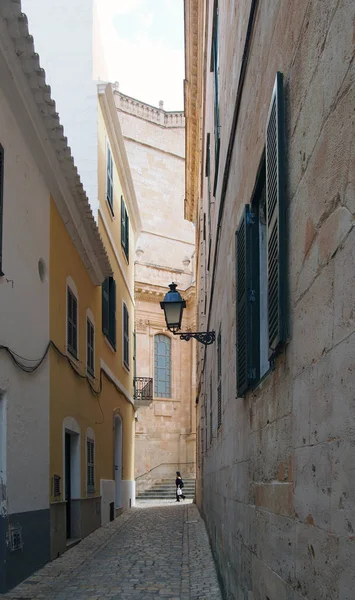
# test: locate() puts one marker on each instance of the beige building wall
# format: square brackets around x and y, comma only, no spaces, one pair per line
[155,142]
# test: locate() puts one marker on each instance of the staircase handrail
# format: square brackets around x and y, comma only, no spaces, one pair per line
[164,464]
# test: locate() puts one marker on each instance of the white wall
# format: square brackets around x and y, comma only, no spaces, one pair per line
[24,322]
[63,33]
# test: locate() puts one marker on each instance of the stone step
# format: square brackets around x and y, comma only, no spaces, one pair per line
[166,489]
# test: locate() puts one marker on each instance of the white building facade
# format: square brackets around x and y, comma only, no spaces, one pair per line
[24,325]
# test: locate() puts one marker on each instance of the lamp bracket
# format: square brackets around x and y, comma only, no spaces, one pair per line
[204,337]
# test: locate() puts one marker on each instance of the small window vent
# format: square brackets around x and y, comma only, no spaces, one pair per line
[15,538]
[56,485]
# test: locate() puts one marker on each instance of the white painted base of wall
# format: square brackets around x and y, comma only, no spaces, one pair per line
[107,492]
[128,493]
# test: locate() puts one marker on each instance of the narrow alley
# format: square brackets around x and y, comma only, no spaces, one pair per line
[155,550]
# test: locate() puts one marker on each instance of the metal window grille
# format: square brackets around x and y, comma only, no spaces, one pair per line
[56,486]
[90,341]
[15,538]
[90,450]
[72,324]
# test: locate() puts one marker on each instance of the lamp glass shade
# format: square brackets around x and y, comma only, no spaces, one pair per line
[173,306]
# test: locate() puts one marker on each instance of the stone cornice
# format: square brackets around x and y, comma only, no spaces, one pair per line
[193,101]
[24,84]
[159,116]
[114,133]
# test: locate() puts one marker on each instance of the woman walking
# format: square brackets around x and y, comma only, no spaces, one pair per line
[179,485]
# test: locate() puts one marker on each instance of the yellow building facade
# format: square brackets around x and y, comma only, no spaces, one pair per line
[91,364]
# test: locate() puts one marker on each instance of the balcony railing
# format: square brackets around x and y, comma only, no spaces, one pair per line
[143,391]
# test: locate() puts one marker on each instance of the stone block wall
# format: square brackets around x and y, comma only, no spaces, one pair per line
[275,481]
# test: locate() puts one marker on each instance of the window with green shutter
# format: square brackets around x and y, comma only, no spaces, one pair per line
[109,177]
[124,228]
[276,217]
[211,410]
[109,310]
[90,345]
[215,70]
[1,204]
[261,267]
[219,380]
[125,336]
[72,323]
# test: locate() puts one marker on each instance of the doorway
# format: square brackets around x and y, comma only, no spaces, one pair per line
[72,488]
[68,482]
[118,460]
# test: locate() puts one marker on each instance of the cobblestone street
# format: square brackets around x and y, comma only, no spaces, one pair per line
[151,551]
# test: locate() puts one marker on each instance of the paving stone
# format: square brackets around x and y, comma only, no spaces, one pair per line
[155,550]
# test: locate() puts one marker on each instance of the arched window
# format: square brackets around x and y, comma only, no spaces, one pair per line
[162,366]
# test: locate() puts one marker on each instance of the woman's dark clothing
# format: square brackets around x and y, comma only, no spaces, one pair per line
[179,484]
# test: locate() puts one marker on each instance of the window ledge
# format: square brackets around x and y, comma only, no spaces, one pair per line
[72,356]
[110,210]
[90,374]
[112,348]
[124,254]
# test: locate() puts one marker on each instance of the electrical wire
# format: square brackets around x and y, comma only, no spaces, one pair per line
[32,368]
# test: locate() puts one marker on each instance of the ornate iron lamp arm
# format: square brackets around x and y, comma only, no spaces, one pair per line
[204,337]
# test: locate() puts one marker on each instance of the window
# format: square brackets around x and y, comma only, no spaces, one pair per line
[124,228]
[90,462]
[109,310]
[109,177]
[72,323]
[90,344]
[1,202]
[219,381]
[211,407]
[125,336]
[208,172]
[215,69]
[261,260]
[162,361]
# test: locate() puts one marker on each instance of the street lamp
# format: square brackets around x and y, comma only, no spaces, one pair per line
[173,306]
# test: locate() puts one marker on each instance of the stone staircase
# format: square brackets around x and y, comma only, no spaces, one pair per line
[165,489]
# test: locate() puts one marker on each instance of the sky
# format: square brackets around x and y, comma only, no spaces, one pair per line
[144,48]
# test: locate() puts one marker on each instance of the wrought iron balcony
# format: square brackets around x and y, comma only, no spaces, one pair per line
[143,391]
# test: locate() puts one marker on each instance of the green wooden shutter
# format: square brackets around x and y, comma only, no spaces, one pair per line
[242,302]
[127,234]
[105,306]
[75,324]
[112,312]
[125,336]
[1,202]
[123,224]
[72,322]
[275,203]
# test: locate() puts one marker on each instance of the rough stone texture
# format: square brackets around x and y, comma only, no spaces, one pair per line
[165,430]
[275,480]
[155,551]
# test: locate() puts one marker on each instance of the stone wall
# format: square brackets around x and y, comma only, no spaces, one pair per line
[275,482]
[165,430]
